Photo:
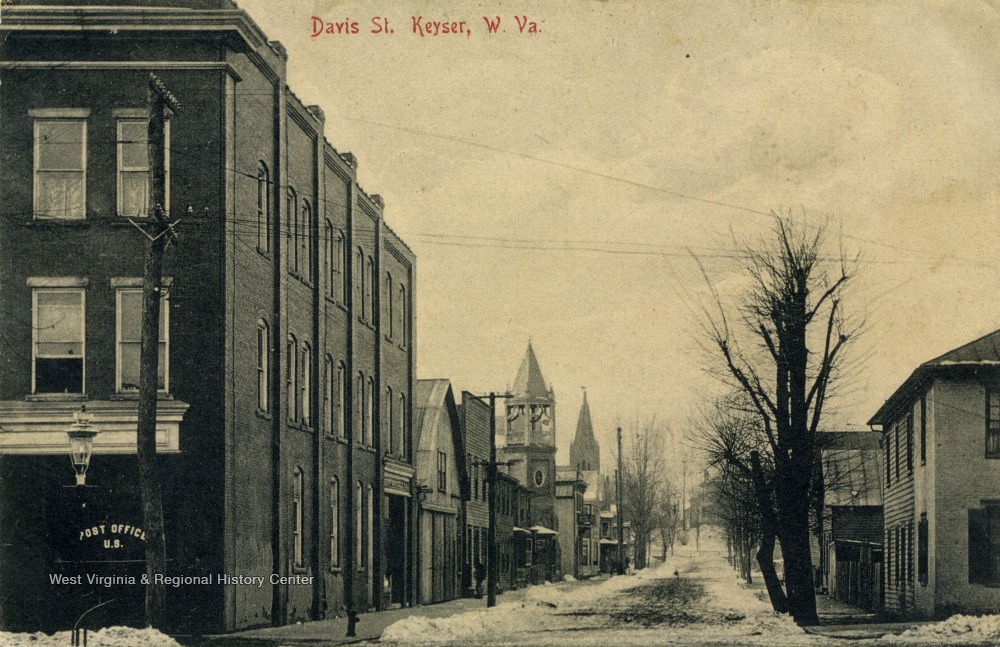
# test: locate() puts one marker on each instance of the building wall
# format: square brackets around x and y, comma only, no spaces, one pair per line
[900,547]
[964,479]
[230,495]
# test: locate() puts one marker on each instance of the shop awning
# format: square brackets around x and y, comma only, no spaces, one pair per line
[542,530]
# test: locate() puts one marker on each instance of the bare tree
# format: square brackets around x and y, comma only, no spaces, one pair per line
[780,346]
[643,485]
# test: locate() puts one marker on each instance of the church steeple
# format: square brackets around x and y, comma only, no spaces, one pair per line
[584,452]
[531,410]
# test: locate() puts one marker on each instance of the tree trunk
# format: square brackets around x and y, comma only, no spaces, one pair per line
[765,559]
[798,564]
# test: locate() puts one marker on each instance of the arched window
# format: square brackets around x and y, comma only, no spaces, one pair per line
[328,395]
[305,242]
[372,290]
[390,310]
[334,522]
[292,230]
[292,377]
[370,525]
[359,535]
[341,398]
[298,487]
[404,321]
[370,413]
[362,295]
[329,262]
[388,427]
[342,266]
[359,410]
[263,209]
[263,360]
[306,383]
[402,442]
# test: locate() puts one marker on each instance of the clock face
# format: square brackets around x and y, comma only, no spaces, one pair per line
[539,477]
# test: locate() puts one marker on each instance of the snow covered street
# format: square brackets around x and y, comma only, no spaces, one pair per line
[703,604]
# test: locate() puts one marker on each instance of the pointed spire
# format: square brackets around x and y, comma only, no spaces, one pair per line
[584,428]
[529,383]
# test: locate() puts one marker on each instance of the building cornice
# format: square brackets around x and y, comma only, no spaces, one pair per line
[121,65]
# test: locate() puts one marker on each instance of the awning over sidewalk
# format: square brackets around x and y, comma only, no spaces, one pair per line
[542,530]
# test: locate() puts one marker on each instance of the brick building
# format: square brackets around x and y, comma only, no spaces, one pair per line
[287,354]
[941,453]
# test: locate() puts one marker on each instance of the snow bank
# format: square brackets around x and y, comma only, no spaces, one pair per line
[107,637]
[956,629]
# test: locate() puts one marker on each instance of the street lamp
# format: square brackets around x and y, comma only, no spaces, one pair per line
[81,442]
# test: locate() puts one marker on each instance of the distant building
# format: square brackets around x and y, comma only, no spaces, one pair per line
[850,548]
[443,484]
[474,414]
[530,433]
[585,461]
[941,462]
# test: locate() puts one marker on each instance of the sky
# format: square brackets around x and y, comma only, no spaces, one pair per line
[559,185]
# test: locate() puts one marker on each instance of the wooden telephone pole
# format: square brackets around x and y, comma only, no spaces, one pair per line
[160,232]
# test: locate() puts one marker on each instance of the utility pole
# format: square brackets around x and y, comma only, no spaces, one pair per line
[618,496]
[159,101]
[492,569]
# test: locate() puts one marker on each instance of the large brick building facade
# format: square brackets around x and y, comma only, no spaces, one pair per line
[287,345]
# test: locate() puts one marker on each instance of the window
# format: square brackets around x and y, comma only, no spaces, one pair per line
[442,471]
[292,377]
[390,310]
[341,399]
[328,395]
[359,409]
[372,291]
[129,307]
[134,187]
[359,526]
[305,242]
[388,449]
[887,450]
[529,549]
[263,209]
[58,340]
[341,266]
[992,422]
[306,384]
[923,430]
[263,359]
[404,322]
[984,544]
[297,489]
[362,293]
[370,414]
[292,230]
[60,161]
[909,441]
[402,441]
[922,549]
[334,522]
[329,261]
[369,525]
[897,434]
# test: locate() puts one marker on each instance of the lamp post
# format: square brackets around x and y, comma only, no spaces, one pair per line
[81,442]
[618,496]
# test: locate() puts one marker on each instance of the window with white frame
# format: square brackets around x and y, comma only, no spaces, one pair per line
[390,315]
[372,290]
[328,394]
[129,332]
[404,322]
[305,243]
[292,230]
[359,526]
[60,164]
[370,524]
[263,364]
[359,410]
[329,259]
[401,442]
[58,340]
[134,186]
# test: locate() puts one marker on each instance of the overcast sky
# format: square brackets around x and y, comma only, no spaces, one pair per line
[553,185]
